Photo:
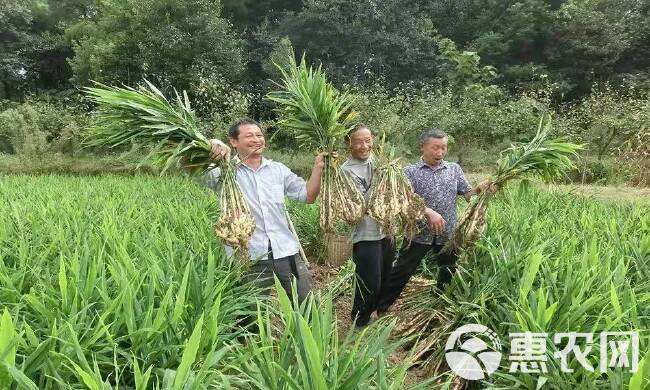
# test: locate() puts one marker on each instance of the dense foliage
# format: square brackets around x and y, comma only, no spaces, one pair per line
[556,264]
[112,281]
[482,71]
[51,44]
[121,283]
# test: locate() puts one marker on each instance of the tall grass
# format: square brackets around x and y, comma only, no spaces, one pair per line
[116,283]
[105,281]
[305,220]
[557,263]
[300,348]
[112,282]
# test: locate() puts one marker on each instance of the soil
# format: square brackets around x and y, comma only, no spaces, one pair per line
[322,275]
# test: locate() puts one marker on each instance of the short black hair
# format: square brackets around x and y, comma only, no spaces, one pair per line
[357,127]
[432,133]
[233,131]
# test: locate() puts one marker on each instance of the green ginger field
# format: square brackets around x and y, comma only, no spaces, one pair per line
[119,283]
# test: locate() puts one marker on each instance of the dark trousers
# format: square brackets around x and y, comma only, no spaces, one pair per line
[373,260]
[288,269]
[407,263]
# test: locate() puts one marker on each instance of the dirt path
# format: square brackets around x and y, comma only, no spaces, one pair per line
[324,274]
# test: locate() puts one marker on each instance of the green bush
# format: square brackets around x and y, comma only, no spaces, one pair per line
[635,155]
[606,119]
[305,220]
[37,127]
[217,101]
[590,170]
[478,117]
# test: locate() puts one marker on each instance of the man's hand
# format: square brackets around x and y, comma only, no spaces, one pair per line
[482,186]
[435,221]
[319,161]
[218,150]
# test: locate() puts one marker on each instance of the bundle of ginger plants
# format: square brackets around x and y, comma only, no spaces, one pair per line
[144,116]
[392,201]
[319,117]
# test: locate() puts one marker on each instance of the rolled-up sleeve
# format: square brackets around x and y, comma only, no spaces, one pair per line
[295,187]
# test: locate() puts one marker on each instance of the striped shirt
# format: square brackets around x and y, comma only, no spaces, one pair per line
[265,189]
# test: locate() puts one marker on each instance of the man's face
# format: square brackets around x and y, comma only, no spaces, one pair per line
[361,144]
[434,150]
[250,141]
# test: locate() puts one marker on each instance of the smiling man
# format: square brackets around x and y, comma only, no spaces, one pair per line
[372,251]
[439,183]
[265,184]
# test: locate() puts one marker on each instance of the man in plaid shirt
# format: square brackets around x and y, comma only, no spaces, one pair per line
[439,183]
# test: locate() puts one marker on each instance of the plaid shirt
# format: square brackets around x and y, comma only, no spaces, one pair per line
[438,186]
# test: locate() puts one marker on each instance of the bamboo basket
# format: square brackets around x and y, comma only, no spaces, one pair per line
[339,249]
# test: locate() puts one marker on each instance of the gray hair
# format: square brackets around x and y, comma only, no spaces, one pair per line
[432,133]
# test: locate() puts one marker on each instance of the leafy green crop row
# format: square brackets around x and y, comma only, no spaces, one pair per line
[551,263]
[120,283]
[111,282]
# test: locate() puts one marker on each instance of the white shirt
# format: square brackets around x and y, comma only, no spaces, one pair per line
[265,190]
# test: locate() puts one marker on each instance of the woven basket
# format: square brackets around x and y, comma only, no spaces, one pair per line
[339,249]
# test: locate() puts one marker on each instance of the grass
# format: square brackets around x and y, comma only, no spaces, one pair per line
[80,165]
[86,164]
[309,353]
[102,276]
[114,282]
[556,263]
[605,193]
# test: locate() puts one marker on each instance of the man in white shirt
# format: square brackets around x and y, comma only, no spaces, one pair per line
[273,247]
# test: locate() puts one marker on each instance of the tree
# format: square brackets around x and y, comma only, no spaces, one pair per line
[608,118]
[569,43]
[462,70]
[586,45]
[359,41]
[509,35]
[35,44]
[15,18]
[173,43]
[634,62]
[245,14]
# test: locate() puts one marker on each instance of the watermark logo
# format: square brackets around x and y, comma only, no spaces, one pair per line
[472,351]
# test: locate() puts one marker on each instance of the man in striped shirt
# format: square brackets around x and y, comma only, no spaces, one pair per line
[274,248]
